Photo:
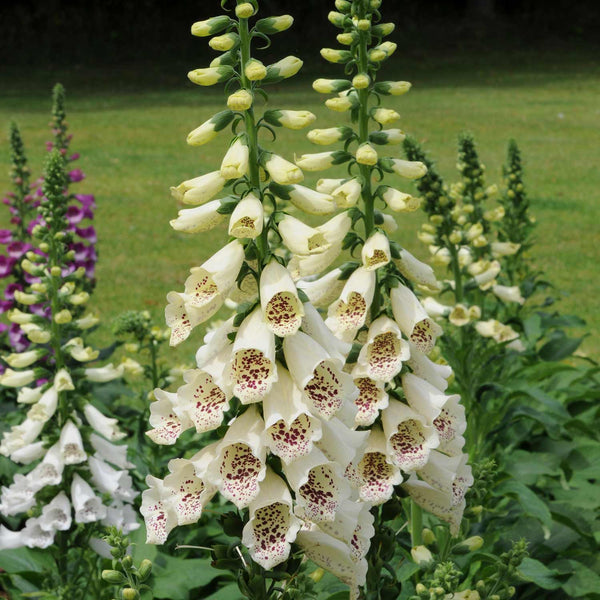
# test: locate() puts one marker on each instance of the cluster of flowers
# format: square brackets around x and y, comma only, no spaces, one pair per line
[323,428]
[462,235]
[74,473]
[23,203]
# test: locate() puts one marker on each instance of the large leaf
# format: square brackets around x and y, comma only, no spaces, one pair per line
[26,560]
[174,577]
[529,501]
[582,580]
[559,347]
[527,467]
[534,571]
[229,592]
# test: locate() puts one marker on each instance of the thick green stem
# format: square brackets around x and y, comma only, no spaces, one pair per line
[456,270]
[262,243]
[416,524]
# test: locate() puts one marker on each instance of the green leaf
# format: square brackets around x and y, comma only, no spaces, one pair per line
[343,595]
[26,560]
[229,592]
[527,467]
[529,501]
[583,580]
[534,571]
[174,577]
[559,348]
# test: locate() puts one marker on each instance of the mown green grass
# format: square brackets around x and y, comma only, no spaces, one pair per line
[130,126]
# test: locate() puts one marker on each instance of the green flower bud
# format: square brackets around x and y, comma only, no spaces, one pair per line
[346,39]
[114,577]
[392,88]
[363,24]
[283,69]
[255,70]
[127,562]
[145,569]
[210,26]
[272,25]
[130,594]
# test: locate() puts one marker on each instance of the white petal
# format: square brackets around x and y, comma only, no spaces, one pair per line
[88,507]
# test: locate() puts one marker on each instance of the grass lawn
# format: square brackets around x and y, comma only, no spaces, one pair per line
[130,126]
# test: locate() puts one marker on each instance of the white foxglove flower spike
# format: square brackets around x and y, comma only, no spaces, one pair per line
[282,308]
[272,525]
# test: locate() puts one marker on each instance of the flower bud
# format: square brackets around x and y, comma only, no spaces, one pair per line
[39,288]
[210,75]
[225,42]
[385,115]
[240,100]
[55,271]
[324,137]
[24,298]
[341,103]
[383,29]
[272,25]
[63,316]
[209,129]
[363,24]
[130,593]
[283,69]
[210,26]
[421,555]
[361,81]
[330,86]
[255,70]
[343,5]
[244,10]
[114,577]
[336,56]
[291,119]
[337,19]
[145,569]
[405,168]
[392,88]
[366,155]
[387,136]
[345,39]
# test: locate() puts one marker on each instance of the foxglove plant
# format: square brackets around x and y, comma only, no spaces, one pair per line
[75,478]
[414,444]
[273,373]
[463,236]
[23,203]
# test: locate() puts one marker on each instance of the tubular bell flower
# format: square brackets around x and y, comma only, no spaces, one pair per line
[272,526]
[413,320]
[247,218]
[290,428]
[201,218]
[376,252]
[252,369]
[282,308]
[349,312]
[320,377]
